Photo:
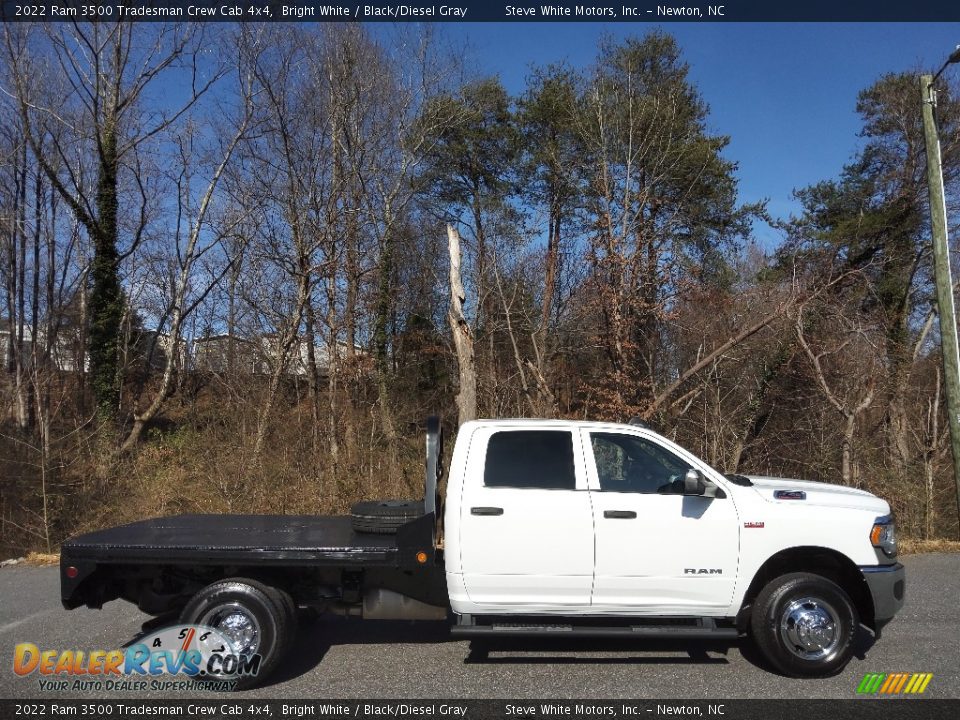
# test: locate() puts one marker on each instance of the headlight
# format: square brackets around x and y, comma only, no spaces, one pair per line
[883,535]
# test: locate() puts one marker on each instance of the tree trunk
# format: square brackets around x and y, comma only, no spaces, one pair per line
[283,352]
[546,401]
[846,471]
[313,372]
[897,424]
[36,341]
[106,299]
[232,317]
[333,378]
[462,334]
[517,359]
[550,270]
[380,334]
[19,273]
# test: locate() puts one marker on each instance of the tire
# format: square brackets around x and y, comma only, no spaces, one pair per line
[283,600]
[804,625]
[383,517]
[259,606]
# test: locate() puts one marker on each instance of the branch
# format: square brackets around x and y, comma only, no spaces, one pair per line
[716,353]
[818,369]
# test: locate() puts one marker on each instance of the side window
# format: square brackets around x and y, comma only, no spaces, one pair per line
[627,463]
[530,459]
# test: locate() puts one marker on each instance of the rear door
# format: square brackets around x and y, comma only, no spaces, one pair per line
[526,532]
[658,551]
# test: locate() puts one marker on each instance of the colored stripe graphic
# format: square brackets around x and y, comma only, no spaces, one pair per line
[870,683]
[894,683]
[888,683]
[900,683]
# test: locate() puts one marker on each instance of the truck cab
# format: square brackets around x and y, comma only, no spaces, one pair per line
[580,519]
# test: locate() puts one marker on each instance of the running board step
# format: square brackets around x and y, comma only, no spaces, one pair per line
[654,632]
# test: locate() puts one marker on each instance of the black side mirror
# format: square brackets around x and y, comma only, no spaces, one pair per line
[693,483]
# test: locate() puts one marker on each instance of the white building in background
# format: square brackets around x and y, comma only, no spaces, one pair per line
[66,353]
[6,347]
[212,353]
[160,346]
[260,356]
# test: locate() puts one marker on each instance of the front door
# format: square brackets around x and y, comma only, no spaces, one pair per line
[526,532]
[657,551]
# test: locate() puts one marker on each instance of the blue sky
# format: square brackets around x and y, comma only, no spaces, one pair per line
[784,92]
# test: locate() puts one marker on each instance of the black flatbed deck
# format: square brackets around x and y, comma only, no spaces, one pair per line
[240,539]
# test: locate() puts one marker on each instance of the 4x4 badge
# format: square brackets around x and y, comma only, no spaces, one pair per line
[753,524]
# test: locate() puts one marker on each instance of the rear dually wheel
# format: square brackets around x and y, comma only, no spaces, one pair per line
[253,616]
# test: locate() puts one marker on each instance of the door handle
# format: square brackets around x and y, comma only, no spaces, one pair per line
[486,511]
[619,514]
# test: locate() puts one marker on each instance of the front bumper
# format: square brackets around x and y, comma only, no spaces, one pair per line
[887,585]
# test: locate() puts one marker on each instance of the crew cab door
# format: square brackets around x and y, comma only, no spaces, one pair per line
[526,530]
[657,551]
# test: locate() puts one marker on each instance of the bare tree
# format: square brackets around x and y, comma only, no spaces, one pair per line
[14,202]
[462,334]
[108,70]
[185,282]
[851,400]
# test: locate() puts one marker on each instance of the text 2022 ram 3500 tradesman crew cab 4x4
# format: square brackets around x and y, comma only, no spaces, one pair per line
[548,527]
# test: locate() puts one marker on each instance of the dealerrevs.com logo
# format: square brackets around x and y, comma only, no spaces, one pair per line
[894,683]
[174,658]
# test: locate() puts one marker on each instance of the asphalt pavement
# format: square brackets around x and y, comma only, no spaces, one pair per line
[351,658]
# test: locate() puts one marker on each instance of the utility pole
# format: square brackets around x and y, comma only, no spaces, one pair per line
[941,264]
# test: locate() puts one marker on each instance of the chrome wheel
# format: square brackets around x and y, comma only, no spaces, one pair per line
[237,624]
[810,629]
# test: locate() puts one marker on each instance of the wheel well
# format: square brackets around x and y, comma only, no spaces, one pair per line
[821,561]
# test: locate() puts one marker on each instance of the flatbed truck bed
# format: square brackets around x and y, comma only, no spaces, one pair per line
[217,539]
[156,563]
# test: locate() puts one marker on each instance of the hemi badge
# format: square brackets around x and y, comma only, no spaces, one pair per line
[790,495]
[753,524]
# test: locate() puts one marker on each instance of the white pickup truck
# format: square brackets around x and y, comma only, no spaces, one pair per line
[559,528]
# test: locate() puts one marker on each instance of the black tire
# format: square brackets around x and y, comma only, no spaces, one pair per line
[785,621]
[383,517]
[284,600]
[259,601]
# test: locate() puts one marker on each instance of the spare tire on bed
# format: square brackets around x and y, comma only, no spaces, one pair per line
[383,517]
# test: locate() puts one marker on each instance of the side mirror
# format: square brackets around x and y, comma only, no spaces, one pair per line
[693,483]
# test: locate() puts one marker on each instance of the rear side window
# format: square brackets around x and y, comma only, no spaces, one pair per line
[530,459]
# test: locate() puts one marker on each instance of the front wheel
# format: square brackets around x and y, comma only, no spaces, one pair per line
[805,625]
